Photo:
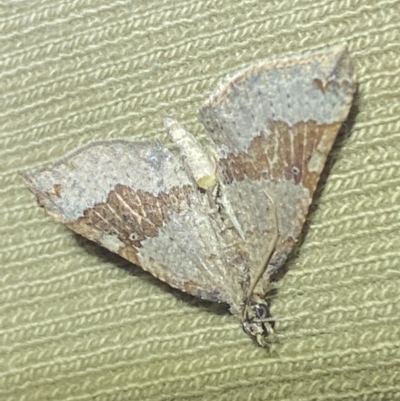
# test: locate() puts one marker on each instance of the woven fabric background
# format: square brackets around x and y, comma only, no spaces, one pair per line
[78,323]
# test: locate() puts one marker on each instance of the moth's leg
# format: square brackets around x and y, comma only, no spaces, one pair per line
[212,197]
[269,253]
[256,319]
[229,212]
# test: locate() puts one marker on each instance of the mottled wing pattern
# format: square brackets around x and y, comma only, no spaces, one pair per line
[206,222]
[136,199]
[273,125]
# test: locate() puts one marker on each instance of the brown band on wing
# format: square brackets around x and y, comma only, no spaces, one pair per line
[283,152]
[131,216]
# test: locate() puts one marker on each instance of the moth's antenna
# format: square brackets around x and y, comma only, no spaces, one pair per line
[270,250]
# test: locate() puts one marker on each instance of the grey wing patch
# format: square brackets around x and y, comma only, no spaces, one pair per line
[192,245]
[136,199]
[86,177]
[317,87]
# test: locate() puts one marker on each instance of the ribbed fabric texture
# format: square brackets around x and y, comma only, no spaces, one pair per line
[78,323]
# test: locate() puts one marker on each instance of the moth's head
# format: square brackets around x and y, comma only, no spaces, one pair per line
[258,322]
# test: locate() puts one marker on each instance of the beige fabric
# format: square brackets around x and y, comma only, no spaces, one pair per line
[78,323]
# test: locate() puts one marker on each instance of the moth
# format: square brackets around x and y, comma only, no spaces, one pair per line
[215,220]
